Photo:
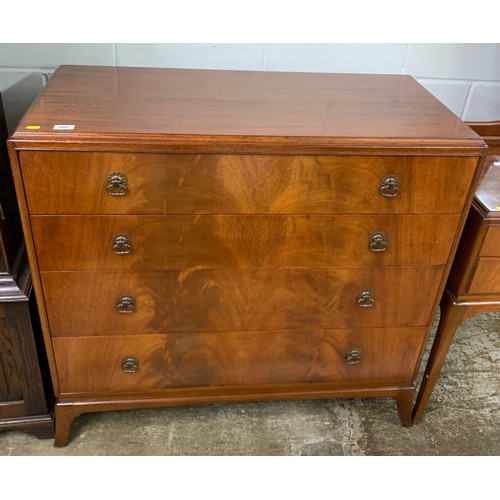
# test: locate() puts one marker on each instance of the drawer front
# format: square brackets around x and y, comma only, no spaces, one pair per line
[204,241]
[156,362]
[491,243]
[90,303]
[77,183]
[486,278]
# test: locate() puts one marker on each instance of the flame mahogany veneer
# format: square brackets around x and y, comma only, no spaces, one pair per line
[215,236]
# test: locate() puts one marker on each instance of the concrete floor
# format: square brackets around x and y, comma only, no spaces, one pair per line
[462,418]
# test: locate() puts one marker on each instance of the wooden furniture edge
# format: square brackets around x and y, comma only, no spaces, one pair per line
[69,407]
[245,144]
[35,275]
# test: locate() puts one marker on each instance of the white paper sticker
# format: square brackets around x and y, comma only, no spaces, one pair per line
[64,127]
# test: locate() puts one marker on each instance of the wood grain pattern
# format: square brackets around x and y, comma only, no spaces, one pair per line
[491,243]
[81,304]
[465,260]
[74,183]
[126,103]
[251,198]
[183,242]
[93,365]
[10,388]
[486,278]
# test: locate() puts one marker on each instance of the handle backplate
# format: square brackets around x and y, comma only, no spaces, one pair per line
[353,356]
[122,244]
[130,364]
[125,304]
[389,186]
[117,184]
[377,242]
[365,298]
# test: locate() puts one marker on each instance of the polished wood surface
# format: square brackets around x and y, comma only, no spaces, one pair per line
[90,365]
[238,299]
[465,260]
[486,277]
[185,242]
[473,285]
[111,103]
[75,183]
[490,132]
[491,243]
[249,205]
[487,197]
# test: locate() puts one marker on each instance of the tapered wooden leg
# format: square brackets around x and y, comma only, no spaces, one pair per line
[405,406]
[452,316]
[64,416]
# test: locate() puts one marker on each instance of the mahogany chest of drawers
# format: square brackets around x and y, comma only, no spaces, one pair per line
[202,236]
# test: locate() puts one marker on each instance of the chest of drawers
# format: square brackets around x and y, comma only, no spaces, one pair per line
[203,236]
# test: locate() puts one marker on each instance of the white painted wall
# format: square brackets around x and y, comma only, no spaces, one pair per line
[464,76]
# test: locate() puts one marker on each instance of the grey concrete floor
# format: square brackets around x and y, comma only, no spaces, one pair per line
[462,418]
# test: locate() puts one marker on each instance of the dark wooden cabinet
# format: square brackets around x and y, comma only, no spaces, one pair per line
[215,236]
[25,389]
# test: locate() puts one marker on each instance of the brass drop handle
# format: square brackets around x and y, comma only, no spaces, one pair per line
[377,242]
[353,356]
[130,364]
[365,298]
[117,184]
[125,304]
[389,186]
[122,244]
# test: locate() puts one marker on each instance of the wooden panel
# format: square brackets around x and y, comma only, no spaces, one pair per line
[93,365]
[10,386]
[75,183]
[224,300]
[491,243]
[180,242]
[469,246]
[486,279]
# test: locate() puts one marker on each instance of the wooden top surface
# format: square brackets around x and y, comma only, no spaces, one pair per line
[487,196]
[162,103]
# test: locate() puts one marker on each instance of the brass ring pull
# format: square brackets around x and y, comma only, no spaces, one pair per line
[125,304]
[389,186]
[378,242]
[353,356]
[365,298]
[122,244]
[117,184]
[130,364]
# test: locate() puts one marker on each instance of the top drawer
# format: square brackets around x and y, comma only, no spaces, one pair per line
[78,183]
